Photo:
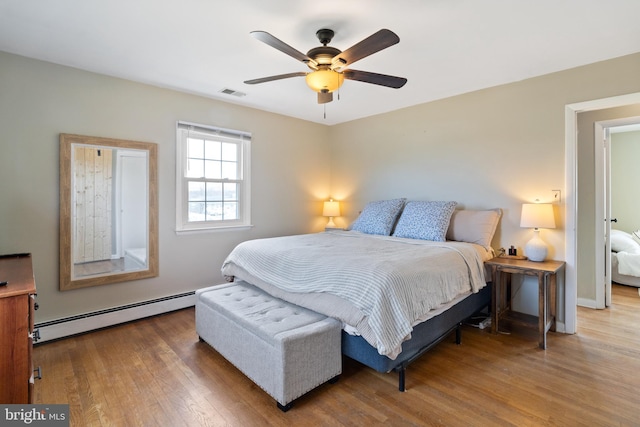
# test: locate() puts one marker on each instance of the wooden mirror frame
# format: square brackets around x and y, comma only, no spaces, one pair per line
[67,282]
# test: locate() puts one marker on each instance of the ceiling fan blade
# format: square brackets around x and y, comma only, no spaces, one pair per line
[324,97]
[375,78]
[276,43]
[272,78]
[372,44]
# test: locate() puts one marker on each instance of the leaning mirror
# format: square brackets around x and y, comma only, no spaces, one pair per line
[108,211]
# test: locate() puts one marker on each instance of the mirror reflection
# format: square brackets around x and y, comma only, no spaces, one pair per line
[108,211]
[109,201]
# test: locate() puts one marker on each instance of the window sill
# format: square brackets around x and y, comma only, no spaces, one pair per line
[185,231]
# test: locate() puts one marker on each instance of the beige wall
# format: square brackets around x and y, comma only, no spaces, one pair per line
[38,101]
[497,147]
[625,180]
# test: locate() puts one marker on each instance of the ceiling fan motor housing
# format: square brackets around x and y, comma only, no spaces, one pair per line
[325,35]
[323,55]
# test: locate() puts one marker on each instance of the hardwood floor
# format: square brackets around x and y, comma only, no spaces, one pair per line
[155,372]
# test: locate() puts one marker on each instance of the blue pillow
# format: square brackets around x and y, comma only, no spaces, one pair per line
[425,220]
[379,217]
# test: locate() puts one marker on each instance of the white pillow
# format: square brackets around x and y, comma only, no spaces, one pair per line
[621,241]
[474,226]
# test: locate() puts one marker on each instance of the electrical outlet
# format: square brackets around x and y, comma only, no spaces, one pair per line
[555,196]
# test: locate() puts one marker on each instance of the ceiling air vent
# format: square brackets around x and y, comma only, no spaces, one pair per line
[233,92]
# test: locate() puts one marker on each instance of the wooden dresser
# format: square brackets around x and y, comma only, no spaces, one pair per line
[17,303]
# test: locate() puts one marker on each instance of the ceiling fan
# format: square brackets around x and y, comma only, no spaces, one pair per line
[329,65]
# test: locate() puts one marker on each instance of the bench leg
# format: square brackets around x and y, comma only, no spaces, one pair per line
[285,408]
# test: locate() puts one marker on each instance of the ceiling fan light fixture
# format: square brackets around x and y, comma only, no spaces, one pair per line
[324,80]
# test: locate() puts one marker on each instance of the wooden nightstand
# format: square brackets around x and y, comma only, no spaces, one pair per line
[546,272]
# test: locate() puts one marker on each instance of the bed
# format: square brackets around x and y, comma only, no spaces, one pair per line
[625,258]
[402,278]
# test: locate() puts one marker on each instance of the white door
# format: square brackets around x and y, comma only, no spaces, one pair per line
[603,228]
[608,219]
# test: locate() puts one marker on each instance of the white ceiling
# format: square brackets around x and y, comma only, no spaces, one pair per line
[447,47]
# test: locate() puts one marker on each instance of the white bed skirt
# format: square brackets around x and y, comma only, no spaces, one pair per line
[622,279]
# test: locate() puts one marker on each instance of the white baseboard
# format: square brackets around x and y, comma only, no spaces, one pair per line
[589,303]
[74,325]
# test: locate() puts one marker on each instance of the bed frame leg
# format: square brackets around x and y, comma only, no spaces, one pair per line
[402,368]
[284,408]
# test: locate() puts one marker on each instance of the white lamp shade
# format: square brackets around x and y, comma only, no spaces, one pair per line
[537,215]
[331,208]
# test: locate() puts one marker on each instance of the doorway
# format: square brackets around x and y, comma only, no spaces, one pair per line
[582,257]
[619,140]
[131,203]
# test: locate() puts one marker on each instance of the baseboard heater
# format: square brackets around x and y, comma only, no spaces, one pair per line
[73,325]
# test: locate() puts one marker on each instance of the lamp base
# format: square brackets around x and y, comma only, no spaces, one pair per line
[330,224]
[536,248]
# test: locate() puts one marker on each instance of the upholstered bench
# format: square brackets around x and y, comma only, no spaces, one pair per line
[285,349]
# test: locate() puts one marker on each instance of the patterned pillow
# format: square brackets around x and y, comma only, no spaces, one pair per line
[425,220]
[379,217]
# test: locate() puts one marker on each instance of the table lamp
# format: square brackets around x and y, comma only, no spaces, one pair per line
[536,216]
[331,209]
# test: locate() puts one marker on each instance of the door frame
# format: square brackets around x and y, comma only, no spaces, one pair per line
[571,214]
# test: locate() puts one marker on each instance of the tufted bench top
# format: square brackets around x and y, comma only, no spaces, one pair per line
[256,310]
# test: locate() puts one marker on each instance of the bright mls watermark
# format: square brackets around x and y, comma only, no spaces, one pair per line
[35,415]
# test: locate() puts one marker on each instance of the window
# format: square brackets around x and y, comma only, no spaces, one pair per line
[212,178]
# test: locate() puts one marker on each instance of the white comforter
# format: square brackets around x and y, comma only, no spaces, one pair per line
[629,264]
[380,285]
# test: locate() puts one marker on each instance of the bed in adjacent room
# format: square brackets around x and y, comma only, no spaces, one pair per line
[625,258]
[401,279]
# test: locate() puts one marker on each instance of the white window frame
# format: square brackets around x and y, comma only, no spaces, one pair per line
[243,139]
